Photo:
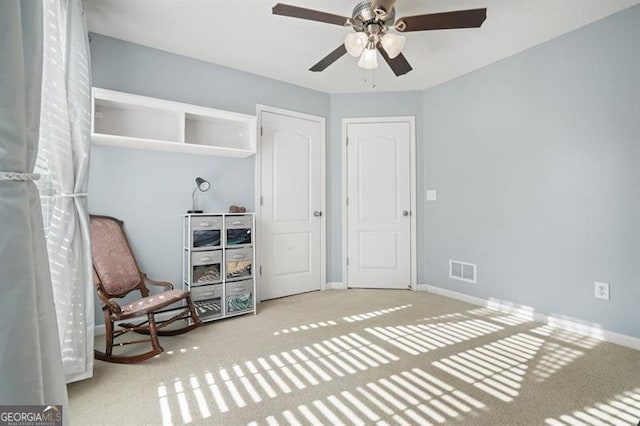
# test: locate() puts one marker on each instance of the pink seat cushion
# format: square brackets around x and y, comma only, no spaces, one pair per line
[150,303]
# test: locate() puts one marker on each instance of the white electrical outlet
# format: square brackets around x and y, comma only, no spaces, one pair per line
[432,195]
[601,290]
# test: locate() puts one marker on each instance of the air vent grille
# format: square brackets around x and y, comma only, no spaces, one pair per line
[463,271]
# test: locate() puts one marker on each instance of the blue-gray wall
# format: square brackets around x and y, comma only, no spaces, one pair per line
[536,160]
[151,190]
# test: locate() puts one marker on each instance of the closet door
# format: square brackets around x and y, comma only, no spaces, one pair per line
[379,204]
[292,202]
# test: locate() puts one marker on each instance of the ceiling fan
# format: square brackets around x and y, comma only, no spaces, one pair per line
[372,20]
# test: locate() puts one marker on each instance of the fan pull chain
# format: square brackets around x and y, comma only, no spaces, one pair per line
[371,80]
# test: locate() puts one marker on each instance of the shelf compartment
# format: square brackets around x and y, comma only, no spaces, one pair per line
[124,120]
[237,237]
[206,267]
[238,263]
[239,296]
[209,309]
[206,233]
[208,301]
[206,238]
[217,132]
[238,230]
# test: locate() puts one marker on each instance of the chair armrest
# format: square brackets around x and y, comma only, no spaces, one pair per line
[166,284]
[110,303]
[114,308]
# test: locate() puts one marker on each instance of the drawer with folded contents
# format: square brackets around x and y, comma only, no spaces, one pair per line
[206,267]
[239,263]
[207,300]
[239,230]
[239,296]
[205,232]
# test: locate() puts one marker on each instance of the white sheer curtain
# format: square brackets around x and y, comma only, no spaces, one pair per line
[30,362]
[63,161]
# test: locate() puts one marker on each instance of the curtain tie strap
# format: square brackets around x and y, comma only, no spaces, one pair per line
[67,195]
[18,176]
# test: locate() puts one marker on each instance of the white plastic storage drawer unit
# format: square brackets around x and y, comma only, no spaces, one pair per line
[218,256]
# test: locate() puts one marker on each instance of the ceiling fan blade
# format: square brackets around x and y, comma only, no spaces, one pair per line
[310,14]
[472,18]
[329,59]
[399,65]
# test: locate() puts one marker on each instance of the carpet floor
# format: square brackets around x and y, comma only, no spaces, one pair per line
[360,357]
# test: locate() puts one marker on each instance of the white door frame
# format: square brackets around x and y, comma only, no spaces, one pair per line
[260,108]
[412,192]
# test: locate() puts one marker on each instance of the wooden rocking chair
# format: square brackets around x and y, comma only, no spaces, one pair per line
[116,274]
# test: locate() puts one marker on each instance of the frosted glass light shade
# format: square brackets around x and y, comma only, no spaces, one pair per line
[355,43]
[393,44]
[369,59]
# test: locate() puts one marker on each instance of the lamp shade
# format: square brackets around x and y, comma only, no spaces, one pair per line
[202,184]
[369,59]
[355,43]
[393,44]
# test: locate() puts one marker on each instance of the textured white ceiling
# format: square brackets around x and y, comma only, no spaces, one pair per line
[243,34]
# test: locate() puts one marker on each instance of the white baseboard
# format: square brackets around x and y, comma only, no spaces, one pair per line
[573,326]
[336,286]
[452,294]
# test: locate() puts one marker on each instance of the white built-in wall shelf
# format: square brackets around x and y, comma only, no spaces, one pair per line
[133,121]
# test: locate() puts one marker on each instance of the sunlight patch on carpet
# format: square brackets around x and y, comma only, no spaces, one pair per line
[422,338]
[553,358]
[513,318]
[410,397]
[497,368]
[621,410]
[373,314]
[270,376]
[453,316]
[305,327]
[566,336]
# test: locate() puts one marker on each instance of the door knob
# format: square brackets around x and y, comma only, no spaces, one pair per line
[405,213]
[317,213]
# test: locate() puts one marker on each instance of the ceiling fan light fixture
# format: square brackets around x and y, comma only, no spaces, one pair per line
[371,19]
[393,44]
[355,43]
[369,59]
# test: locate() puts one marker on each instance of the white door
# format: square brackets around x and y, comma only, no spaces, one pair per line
[379,204]
[292,197]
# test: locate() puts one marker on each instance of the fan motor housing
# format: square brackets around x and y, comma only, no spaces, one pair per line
[364,15]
